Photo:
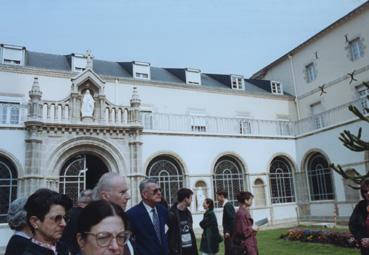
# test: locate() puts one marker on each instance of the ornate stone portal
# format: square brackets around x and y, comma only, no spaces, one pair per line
[85,122]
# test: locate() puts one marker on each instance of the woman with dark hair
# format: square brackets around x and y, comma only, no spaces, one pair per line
[17,220]
[244,231]
[359,220]
[210,237]
[46,210]
[102,230]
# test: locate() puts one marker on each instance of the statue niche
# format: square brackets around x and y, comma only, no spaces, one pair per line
[87,106]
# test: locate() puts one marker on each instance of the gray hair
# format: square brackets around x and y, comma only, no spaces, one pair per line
[105,183]
[145,182]
[85,196]
[17,216]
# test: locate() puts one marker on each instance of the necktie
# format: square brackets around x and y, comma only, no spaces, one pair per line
[155,222]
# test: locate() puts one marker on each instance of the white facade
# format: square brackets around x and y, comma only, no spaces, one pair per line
[187,128]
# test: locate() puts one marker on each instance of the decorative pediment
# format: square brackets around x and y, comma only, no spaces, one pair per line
[88,79]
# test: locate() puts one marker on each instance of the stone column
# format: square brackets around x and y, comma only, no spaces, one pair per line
[75,104]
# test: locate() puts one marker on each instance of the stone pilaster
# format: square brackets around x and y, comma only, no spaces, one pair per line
[137,173]
[33,178]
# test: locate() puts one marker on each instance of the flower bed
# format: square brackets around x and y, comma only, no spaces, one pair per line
[343,239]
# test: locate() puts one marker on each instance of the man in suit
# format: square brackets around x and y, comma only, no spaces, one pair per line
[148,220]
[228,220]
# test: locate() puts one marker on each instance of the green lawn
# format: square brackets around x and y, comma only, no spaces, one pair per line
[269,243]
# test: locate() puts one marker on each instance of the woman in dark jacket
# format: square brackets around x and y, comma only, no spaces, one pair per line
[244,232]
[210,237]
[46,210]
[359,220]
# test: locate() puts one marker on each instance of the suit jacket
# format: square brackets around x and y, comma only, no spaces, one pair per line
[143,230]
[228,217]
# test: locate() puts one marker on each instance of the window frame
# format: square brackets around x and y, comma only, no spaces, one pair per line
[171,182]
[12,182]
[356,49]
[237,82]
[311,73]
[319,184]
[226,176]
[279,179]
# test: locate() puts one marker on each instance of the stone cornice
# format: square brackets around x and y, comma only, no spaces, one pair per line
[59,129]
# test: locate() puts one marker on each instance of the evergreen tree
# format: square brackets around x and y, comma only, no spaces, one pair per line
[354,142]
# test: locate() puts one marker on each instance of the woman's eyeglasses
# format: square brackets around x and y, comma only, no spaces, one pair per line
[58,218]
[103,239]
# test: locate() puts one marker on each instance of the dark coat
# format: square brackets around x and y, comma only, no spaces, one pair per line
[243,231]
[146,241]
[210,237]
[228,218]
[17,245]
[35,249]
[70,231]
[174,232]
[357,223]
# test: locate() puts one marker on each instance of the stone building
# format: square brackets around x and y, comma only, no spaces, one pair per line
[67,119]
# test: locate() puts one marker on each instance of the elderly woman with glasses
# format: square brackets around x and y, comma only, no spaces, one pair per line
[102,230]
[17,220]
[46,210]
[359,220]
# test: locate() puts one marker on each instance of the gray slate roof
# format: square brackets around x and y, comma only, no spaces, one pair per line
[124,70]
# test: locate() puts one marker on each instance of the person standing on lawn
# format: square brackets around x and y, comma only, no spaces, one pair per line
[228,220]
[181,237]
[359,220]
[210,238]
[244,231]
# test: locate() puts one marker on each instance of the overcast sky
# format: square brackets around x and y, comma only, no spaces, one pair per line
[215,36]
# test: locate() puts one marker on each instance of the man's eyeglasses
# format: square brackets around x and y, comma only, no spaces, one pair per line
[156,190]
[103,239]
[58,218]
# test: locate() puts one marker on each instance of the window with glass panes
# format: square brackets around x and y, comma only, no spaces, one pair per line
[281,181]
[320,178]
[228,176]
[169,174]
[8,186]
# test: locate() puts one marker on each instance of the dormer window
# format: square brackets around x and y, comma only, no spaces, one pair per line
[79,63]
[141,70]
[237,82]
[12,55]
[276,87]
[193,76]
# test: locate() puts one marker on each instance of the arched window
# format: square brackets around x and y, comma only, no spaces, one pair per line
[169,174]
[8,186]
[350,193]
[320,178]
[281,181]
[228,176]
[259,193]
[80,172]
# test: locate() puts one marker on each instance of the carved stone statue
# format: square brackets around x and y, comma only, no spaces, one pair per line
[88,104]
